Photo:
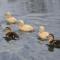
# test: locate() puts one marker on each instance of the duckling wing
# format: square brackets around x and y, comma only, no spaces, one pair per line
[15,35]
[28,27]
[43,35]
[10,35]
[57,42]
[11,20]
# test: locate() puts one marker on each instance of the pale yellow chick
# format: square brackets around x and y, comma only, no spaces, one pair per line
[9,18]
[42,33]
[24,27]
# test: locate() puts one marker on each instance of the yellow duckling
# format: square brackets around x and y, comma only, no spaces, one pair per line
[24,27]
[42,33]
[9,18]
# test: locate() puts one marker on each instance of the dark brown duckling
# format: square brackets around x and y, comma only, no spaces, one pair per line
[10,35]
[53,42]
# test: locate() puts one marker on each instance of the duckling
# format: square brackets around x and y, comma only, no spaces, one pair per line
[42,34]
[53,42]
[9,18]
[24,27]
[10,35]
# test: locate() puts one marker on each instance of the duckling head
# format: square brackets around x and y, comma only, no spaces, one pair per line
[42,28]
[20,22]
[50,38]
[7,14]
[7,29]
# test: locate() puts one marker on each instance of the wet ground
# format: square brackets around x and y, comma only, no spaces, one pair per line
[29,47]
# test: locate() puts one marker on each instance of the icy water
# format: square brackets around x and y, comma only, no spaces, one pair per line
[29,47]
